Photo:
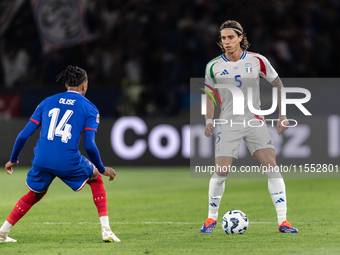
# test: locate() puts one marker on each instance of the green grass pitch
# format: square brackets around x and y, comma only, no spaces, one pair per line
[160,211]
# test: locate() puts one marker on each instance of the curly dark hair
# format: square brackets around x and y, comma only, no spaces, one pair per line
[234,24]
[72,76]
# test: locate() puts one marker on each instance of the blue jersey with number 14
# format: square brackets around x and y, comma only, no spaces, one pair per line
[63,117]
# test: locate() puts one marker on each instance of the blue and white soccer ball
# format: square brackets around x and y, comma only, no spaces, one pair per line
[235,222]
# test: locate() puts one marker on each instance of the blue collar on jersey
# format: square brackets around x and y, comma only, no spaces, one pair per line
[227,60]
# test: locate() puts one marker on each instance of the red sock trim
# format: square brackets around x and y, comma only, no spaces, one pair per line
[22,207]
[99,196]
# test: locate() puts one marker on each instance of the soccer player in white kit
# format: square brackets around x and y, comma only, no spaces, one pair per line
[243,69]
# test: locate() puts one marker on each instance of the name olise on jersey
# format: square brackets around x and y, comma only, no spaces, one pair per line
[67,101]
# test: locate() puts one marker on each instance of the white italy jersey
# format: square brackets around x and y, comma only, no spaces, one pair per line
[243,74]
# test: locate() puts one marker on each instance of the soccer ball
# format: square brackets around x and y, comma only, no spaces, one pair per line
[235,222]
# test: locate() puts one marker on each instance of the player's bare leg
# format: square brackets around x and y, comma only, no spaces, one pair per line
[216,190]
[100,200]
[276,188]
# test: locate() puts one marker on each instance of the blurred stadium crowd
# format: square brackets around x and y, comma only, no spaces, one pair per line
[146,51]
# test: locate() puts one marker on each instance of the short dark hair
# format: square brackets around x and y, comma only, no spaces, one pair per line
[234,24]
[72,76]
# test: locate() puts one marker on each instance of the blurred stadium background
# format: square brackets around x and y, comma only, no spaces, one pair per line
[140,56]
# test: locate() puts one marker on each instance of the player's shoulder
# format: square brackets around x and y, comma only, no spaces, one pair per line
[89,106]
[256,56]
[214,60]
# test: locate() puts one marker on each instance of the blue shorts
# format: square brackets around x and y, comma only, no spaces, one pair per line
[40,178]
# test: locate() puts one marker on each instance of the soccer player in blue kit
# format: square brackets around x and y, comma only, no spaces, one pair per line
[63,118]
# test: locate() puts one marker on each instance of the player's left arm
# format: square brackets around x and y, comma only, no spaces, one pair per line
[92,150]
[277,83]
[19,145]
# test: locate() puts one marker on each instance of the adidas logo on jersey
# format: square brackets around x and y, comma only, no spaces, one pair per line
[225,72]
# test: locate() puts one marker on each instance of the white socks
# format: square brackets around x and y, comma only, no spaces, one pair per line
[276,188]
[277,191]
[104,220]
[6,227]
[216,190]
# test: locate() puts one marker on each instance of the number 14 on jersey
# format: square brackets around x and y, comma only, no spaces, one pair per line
[63,129]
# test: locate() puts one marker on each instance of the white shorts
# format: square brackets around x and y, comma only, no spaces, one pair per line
[228,141]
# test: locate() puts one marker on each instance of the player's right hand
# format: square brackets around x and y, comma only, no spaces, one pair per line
[8,166]
[207,129]
[281,128]
[110,173]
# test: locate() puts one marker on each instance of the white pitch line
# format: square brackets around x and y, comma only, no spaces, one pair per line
[163,223]
[117,223]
